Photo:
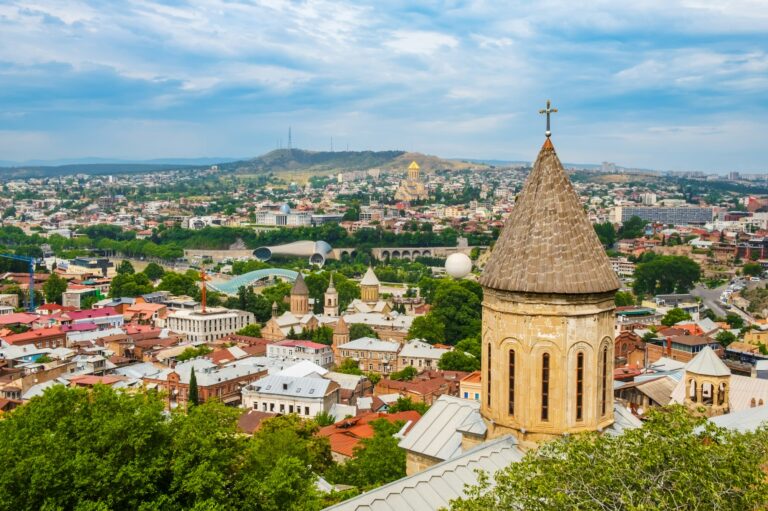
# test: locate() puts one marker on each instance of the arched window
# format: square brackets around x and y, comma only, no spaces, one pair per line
[545,387]
[488,390]
[604,374]
[580,386]
[511,382]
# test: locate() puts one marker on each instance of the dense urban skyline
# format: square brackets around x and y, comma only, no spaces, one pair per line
[665,85]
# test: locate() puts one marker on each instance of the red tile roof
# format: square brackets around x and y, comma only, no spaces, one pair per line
[346,434]
[18,317]
[33,335]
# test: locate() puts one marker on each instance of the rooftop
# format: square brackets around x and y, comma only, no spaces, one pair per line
[548,244]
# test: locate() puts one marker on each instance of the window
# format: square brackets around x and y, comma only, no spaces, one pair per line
[290,409]
[306,410]
[466,395]
[545,387]
[580,386]
[604,371]
[512,382]
[489,376]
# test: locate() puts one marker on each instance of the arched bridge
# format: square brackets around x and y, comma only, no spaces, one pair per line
[231,286]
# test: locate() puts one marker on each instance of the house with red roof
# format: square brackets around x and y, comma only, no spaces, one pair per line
[107,317]
[290,349]
[345,435]
[52,337]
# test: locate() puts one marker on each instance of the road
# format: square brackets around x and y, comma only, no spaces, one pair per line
[711,299]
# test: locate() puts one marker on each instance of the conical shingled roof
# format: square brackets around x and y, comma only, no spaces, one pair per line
[370,278]
[548,244]
[299,286]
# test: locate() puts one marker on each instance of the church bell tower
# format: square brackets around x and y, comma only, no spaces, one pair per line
[548,315]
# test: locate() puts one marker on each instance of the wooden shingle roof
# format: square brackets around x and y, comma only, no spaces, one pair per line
[548,244]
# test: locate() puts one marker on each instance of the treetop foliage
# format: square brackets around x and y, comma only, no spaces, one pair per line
[672,462]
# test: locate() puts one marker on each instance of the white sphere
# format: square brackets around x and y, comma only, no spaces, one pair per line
[458,265]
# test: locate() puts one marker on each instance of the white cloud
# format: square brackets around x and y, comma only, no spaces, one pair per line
[421,42]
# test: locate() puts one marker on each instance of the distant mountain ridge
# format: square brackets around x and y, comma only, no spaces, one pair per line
[277,161]
[286,160]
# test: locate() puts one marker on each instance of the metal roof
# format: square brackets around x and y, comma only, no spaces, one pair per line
[280,385]
[230,287]
[744,420]
[707,363]
[370,278]
[419,349]
[437,434]
[371,344]
[435,487]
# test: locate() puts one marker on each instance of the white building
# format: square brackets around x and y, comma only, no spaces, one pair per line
[314,352]
[420,355]
[372,354]
[214,324]
[304,396]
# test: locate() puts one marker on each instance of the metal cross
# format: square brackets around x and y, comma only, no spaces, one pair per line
[548,110]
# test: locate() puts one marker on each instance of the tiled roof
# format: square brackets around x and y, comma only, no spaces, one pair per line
[548,244]
[370,278]
[299,286]
[706,362]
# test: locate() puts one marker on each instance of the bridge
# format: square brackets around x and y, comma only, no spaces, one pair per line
[231,286]
[411,253]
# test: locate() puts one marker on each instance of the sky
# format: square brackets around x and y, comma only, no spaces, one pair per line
[661,84]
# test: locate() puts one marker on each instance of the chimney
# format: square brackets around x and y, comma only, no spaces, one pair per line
[669,346]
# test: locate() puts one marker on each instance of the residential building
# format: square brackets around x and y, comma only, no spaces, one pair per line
[214,323]
[371,354]
[288,349]
[52,337]
[305,396]
[419,354]
[688,215]
[469,386]
[425,387]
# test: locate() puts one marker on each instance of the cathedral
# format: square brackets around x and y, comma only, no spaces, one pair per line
[411,188]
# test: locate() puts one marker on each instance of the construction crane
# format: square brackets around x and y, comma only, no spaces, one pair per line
[31,261]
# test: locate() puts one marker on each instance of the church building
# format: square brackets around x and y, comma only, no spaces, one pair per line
[411,188]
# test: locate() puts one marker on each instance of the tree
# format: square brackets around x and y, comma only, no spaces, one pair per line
[624,299]
[752,269]
[632,228]
[193,399]
[660,465]
[53,288]
[457,360]
[191,352]
[457,306]
[427,327]
[349,366]
[666,274]
[129,285]
[125,268]
[675,316]
[405,374]
[734,320]
[606,233]
[154,271]
[404,404]
[377,460]
[252,330]
[724,337]
[180,284]
[358,330]
[324,418]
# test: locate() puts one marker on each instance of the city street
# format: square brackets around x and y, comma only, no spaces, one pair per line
[711,299]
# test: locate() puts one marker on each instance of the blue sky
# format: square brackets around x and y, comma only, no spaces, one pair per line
[672,84]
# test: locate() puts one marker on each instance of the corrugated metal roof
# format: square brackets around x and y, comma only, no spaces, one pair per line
[437,433]
[371,344]
[744,420]
[435,487]
[290,386]
[659,390]
[420,349]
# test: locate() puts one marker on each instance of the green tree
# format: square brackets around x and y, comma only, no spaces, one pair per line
[252,330]
[193,399]
[724,337]
[125,268]
[752,269]
[427,327]
[675,316]
[606,233]
[457,360]
[53,288]
[349,366]
[192,352]
[130,285]
[624,299]
[666,274]
[324,418]
[154,271]
[180,284]
[404,404]
[457,305]
[358,330]
[632,228]
[734,320]
[660,465]
[377,460]
[405,374]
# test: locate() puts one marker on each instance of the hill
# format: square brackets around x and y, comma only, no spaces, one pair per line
[320,162]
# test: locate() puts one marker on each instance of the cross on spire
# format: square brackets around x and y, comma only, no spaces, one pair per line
[548,110]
